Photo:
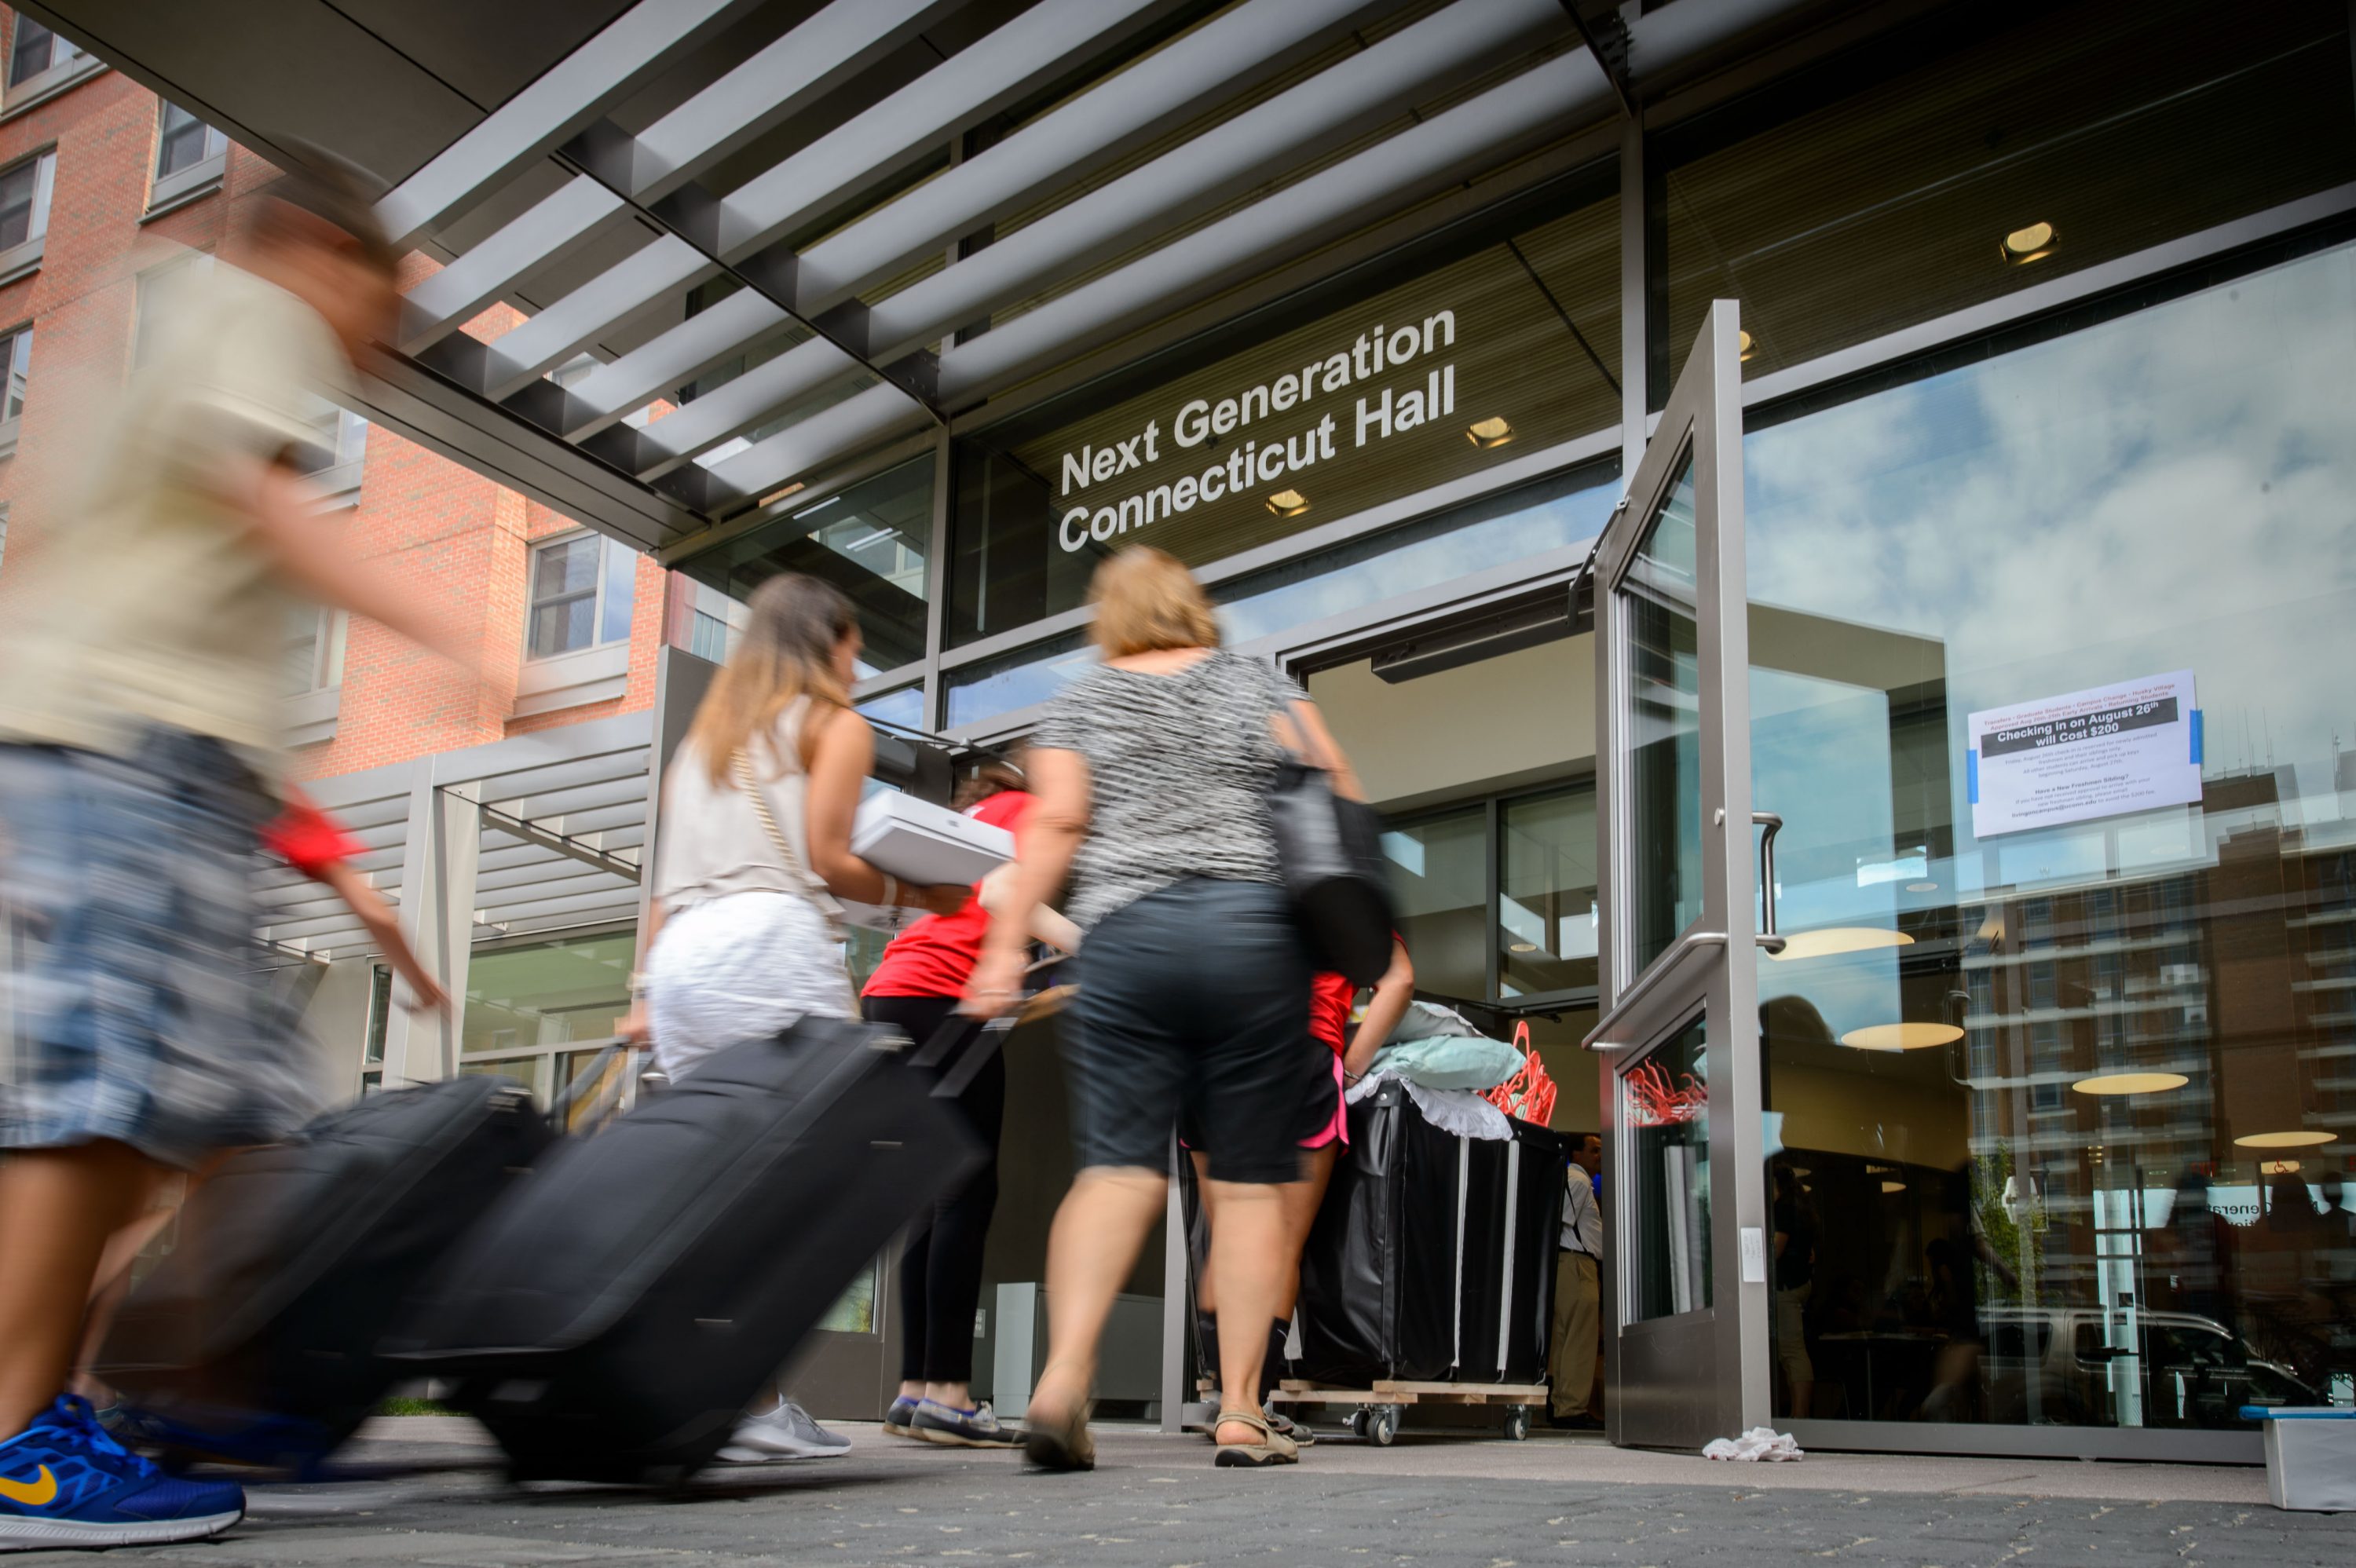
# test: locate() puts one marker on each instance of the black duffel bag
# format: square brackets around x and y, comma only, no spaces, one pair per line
[1331,852]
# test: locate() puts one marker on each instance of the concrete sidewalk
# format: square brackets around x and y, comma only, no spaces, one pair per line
[430,1490]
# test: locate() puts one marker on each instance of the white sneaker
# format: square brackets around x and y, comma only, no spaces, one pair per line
[785,1433]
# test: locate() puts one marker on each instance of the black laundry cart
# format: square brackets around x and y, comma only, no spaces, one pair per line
[1429,1277]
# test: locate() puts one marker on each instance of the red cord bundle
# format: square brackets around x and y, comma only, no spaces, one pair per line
[1529,1092]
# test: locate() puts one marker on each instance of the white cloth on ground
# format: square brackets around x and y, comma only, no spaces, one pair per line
[1760,1443]
[1458,1111]
[738,968]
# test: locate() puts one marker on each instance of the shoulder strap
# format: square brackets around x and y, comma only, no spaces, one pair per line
[739,768]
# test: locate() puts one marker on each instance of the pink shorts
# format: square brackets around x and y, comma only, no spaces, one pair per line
[1338,1129]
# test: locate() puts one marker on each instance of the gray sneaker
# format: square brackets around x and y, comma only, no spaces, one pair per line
[785,1433]
[976,1428]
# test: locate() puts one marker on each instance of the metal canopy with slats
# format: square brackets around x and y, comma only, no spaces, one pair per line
[862,218]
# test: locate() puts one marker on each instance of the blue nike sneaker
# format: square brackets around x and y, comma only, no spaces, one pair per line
[65,1482]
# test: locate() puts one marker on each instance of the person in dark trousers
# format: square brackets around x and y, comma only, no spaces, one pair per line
[916,988]
[1152,773]
[1578,1292]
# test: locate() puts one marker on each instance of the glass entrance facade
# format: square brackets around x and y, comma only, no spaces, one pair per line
[2061,1060]
[2049,340]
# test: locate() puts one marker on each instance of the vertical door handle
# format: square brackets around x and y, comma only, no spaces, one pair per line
[1773,825]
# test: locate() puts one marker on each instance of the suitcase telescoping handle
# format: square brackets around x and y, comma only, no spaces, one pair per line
[986,1040]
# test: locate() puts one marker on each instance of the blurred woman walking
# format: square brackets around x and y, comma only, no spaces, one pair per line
[753,851]
[1151,776]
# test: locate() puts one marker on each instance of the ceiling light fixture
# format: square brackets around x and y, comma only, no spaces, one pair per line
[1491,431]
[1921,887]
[1890,1186]
[1288,503]
[1832,939]
[1522,948]
[1902,1037]
[2131,1083]
[2033,243]
[2307,1137]
[1742,341]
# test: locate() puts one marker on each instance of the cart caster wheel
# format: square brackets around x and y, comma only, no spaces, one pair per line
[1383,1427]
[1357,1423]
[1517,1422]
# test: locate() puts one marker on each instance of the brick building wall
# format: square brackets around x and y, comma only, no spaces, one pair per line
[439,531]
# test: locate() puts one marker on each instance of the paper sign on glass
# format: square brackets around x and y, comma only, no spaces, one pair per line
[2127,747]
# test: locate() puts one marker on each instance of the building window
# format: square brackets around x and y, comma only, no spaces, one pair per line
[190,157]
[582,592]
[37,49]
[25,190]
[16,358]
[336,461]
[312,658]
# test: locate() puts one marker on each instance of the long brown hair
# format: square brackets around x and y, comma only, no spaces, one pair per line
[787,652]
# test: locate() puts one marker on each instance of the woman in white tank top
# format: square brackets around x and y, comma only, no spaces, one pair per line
[753,847]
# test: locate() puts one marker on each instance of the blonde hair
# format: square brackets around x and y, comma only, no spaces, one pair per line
[787,652]
[1146,599]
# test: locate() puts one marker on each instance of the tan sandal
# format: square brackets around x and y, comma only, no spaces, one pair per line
[1273,1447]
[1060,1445]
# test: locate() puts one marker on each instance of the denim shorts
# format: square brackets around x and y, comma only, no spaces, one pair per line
[134,1006]
[1193,1000]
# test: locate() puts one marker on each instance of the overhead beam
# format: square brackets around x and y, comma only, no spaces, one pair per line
[1329,107]
[643,41]
[809,61]
[810,444]
[735,407]
[745,320]
[1220,59]
[442,303]
[985,76]
[1544,102]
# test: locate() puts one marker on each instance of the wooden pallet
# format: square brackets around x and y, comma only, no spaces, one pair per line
[1380,1408]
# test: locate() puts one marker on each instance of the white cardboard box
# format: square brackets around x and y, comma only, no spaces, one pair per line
[923,845]
[2311,1459]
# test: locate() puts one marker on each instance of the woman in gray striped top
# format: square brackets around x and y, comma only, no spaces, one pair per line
[1151,776]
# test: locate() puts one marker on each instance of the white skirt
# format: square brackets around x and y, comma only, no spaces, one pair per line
[738,968]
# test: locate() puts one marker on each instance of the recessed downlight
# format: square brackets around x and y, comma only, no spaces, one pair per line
[1491,431]
[1921,887]
[1832,939]
[1902,1037]
[2131,1083]
[1742,341]
[1521,947]
[1890,1186]
[2305,1138]
[2032,242]
[1288,503]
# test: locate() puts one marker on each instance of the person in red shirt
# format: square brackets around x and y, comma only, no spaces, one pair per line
[916,988]
[316,844]
[1325,1118]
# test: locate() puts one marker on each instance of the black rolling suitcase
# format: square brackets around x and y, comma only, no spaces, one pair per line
[613,1314]
[256,1338]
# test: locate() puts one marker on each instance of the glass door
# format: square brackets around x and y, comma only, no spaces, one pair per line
[1685,1292]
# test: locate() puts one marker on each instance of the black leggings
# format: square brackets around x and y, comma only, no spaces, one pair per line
[940,1272]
